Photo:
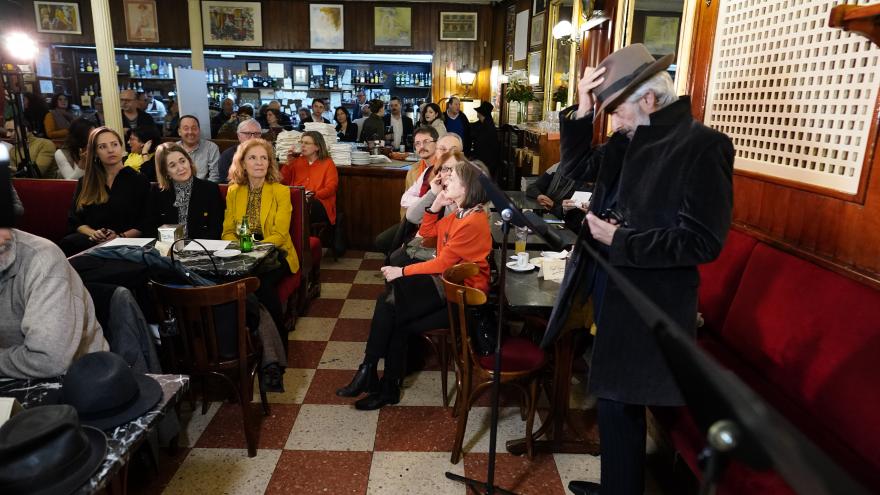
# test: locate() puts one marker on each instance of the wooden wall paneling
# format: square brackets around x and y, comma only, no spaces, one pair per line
[173,27]
[23,18]
[369,197]
[286,25]
[838,232]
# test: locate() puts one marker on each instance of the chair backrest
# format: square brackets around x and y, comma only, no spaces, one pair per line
[195,346]
[458,298]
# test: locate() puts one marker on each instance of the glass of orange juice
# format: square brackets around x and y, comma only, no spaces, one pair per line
[521,236]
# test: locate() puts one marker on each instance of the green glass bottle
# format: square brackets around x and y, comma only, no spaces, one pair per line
[245,237]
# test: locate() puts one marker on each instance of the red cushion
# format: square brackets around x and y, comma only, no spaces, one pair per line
[813,337]
[317,250]
[288,285]
[720,278]
[46,205]
[517,354]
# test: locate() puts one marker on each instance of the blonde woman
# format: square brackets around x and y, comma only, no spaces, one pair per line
[256,193]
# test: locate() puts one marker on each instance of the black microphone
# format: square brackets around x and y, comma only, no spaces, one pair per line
[544,231]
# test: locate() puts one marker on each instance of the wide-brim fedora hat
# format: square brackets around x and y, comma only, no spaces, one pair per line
[485,109]
[46,451]
[625,69]
[106,392]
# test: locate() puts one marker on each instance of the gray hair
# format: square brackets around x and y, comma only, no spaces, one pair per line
[455,137]
[661,85]
[245,123]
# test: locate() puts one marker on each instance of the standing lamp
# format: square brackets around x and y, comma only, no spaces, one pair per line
[21,48]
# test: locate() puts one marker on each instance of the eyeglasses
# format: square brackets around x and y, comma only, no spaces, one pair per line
[251,134]
[419,144]
[446,170]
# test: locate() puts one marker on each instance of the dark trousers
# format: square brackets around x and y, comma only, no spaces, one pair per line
[75,243]
[421,309]
[317,212]
[385,239]
[622,436]
[267,294]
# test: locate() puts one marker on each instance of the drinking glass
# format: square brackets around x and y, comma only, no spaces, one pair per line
[521,236]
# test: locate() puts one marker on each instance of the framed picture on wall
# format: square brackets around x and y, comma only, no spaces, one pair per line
[232,23]
[537,36]
[458,26]
[538,6]
[535,68]
[326,26]
[300,74]
[657,30]
[392,26]
[58,17]
[141,25]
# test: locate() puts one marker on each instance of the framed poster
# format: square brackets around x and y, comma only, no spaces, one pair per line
[57,17]
[141,25]
[254,66]
[657,30]
[458,26]
[537,34]
[326,25]
[509,30]
[392,26]
[539,6]
[535,68]
[300,74]
[232,23]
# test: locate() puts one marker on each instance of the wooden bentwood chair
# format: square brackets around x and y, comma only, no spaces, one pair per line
[521,360]
[194,347]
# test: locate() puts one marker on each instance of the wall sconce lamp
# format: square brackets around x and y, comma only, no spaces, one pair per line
[466,77]
[565,32]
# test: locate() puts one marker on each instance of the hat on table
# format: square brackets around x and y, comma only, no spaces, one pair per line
[45,450]
[106,392]
[625,69]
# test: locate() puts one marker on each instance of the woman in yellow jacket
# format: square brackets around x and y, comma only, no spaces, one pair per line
[255,192]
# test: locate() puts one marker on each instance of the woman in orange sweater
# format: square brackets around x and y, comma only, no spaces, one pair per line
[414,300]
[315,171]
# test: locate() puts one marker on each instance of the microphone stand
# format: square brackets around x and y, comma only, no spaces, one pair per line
[26,167]
[509,215]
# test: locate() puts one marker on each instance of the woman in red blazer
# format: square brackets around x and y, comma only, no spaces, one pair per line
[314,170]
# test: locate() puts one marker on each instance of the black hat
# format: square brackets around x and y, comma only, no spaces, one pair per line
[106,392]
[485,109]
[7,213]
[44,450]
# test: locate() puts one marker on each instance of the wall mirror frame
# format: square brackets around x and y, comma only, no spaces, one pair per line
[557,64]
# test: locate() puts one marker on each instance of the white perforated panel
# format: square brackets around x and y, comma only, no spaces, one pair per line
[796,96]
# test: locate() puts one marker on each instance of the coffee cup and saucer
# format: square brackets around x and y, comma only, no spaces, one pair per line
[521,264]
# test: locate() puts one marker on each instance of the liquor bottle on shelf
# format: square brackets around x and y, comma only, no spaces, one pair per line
[95,65]
[140,87]
[147,68]
[154,69]
[131,69]
[89,67]
[82,64]
[92,91]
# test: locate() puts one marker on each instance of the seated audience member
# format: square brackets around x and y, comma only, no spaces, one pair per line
[274,125]
[256,193]
[97,118]
[143,141]
[432,116]
[303,116]
[183,198]
[172,120]
[247,129]
[359,122]
[417,303]
[42,152]
[226,114]
[57,121]
[111,200]
[315,171]
[552,189]
[346,130]
[228,129]
[205,154]
[374,126]
[417,182]
[47,319]
[317,114]
[133,116]
[283,118]
[68,157]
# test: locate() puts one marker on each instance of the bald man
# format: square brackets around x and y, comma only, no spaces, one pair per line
[132,116]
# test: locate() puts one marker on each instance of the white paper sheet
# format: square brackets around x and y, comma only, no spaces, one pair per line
[521,36]
[210,244]
[553,269]
[581,197]
[129,241]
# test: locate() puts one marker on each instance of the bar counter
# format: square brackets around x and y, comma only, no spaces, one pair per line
[369,199]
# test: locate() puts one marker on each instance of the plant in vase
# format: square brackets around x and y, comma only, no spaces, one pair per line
[519,91]
[561,96]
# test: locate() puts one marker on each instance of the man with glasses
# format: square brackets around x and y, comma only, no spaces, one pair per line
[247,130]
[132,116]
[417,181]
[359,106]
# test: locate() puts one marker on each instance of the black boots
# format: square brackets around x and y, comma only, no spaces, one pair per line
[388,394]
[365,380]
[583,488]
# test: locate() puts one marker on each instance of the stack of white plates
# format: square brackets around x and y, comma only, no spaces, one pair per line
[341,153]
[326,130]
[283,143]
[360,158]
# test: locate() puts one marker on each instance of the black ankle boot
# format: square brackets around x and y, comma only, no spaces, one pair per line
[388,394]
[365,380]
[583,487]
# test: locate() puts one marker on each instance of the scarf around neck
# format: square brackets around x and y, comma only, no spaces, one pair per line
[182,193]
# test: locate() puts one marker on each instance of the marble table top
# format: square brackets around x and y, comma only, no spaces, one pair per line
[122,441]
[235,267]
[567,236]
[525,291]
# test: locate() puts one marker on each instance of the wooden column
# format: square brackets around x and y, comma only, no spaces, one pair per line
[108,80]
[195,35]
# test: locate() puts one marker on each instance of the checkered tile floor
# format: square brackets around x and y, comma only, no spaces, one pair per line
[316,442]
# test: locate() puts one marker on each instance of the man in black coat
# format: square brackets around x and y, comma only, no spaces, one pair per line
[398,127]
[484,138]
[661,205]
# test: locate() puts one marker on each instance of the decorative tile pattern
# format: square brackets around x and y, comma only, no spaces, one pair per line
[228,471]
[333,428]
[414,473]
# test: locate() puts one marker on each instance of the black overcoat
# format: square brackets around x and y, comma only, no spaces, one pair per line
[204,219]
[676,197]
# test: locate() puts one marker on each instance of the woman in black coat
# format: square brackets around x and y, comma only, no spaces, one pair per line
[484,138]
[183,198]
